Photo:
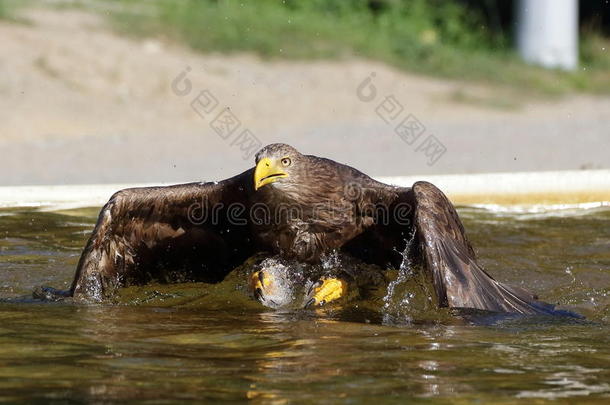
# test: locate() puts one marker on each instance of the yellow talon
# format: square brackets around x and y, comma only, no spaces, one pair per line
[330,290]
[261,283]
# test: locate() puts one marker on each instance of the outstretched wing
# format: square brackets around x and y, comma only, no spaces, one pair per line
[191,231]
[459,281]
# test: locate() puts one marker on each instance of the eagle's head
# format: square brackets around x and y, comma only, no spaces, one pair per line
[280,165]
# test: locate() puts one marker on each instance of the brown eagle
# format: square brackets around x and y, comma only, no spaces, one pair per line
[299,207]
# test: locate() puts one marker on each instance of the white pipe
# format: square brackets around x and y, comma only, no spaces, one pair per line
[547,32]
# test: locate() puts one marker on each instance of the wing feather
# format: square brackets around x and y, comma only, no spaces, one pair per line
[441,247]
[459,281]
[142,233]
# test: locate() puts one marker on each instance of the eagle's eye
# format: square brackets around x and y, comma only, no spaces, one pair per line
[286,161]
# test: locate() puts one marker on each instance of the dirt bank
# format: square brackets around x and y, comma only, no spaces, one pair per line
[80,104]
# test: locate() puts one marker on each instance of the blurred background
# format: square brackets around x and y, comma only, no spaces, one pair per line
[187,90]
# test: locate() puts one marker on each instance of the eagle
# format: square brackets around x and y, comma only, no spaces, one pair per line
[297,207]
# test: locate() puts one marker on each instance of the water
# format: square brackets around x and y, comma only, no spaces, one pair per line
[197,342]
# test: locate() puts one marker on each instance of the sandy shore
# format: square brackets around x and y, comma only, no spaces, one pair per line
[80,104]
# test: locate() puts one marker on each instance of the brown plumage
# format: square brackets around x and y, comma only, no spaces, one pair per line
[298,206]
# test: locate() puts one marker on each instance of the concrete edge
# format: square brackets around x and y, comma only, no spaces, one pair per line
[530,188]
[558,189]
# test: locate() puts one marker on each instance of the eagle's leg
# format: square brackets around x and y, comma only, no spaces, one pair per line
[326,290]
[275,288]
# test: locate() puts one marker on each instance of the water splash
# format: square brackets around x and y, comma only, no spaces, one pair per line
[331,261]
[286,277]
[398,299]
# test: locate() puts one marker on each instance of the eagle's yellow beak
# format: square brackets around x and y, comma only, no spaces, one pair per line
[267,171]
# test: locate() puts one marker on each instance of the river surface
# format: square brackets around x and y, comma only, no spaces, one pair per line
[195,342]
